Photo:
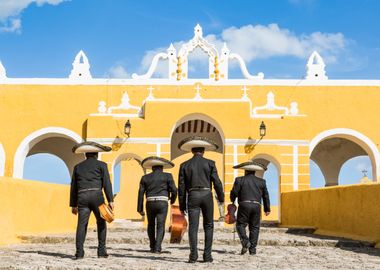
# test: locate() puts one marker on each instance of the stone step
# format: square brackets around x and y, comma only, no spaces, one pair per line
[267,238]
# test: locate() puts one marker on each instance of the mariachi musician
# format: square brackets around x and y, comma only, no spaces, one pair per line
[197,176]
[159,187]
[250,190]
[88,179]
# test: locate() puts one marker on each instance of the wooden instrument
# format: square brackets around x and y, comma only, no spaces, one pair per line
[106,213]
[230,217]
[178,225]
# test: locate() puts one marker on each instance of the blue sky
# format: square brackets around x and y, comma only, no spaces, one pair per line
[40,38]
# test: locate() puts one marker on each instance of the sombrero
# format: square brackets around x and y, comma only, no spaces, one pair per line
[150,162]
[197,142]
[90,147]
[251,166]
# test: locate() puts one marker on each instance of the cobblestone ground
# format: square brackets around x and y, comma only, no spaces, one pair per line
[128,249]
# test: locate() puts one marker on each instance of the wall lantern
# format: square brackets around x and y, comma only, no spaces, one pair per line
[127,128]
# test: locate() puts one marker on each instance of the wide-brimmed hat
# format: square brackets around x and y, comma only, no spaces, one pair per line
[251,166]
[197,142]
[150,162]
[90,147]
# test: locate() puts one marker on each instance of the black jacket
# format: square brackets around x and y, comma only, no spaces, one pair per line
[90,173]
[198,172]
[250,188]
[156,183]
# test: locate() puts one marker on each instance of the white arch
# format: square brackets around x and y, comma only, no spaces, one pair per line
[125,156]
[2,160]
[363,141]
[271,159]
[31,140]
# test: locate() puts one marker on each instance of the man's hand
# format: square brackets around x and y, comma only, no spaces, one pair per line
[74,210]
[142,213]
[184,213]
[111,205]
[267,213]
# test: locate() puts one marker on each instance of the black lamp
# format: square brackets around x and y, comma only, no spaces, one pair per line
[263,129]
[127,128]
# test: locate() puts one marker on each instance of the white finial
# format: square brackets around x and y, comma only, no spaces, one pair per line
[3,73]
[225,49]
[81,67]
[102,107]
[171,50]
[198,31]
[315,68]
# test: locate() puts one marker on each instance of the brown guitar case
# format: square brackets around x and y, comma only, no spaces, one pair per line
[178,225]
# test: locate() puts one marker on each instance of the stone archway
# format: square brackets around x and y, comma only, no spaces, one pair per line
[273,183]
[52,140]
[130,175]
[198,125]
[331,149]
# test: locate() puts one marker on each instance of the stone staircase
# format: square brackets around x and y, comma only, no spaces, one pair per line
[134,233]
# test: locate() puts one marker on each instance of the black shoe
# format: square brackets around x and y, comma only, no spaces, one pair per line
[209,260]
[151,250]
[245,248]
[104,255]
[191,261]
[252,251]
[78,257]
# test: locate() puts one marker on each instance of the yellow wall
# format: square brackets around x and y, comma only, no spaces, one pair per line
[30,207]
[348,211]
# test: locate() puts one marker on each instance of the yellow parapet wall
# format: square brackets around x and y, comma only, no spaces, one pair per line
[31,207]
[347,211]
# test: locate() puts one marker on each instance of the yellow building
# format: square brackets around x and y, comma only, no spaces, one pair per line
[327,121]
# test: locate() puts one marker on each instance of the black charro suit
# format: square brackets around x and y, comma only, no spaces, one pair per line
[90,174]
[196,178]
[250,190]
[155,184]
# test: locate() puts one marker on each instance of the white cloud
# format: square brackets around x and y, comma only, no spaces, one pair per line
[265,41]
[118,72]
[10,12]
[13,25]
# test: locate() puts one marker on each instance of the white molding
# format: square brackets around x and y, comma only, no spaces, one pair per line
[166,140]
[32,139]
[267,142]
[235,160]
[2,160]
[366,143]
[157,81]
[295,167]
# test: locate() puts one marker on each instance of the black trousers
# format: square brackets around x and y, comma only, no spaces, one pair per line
[88,202]
[156,212]
[248,214]
[200,200]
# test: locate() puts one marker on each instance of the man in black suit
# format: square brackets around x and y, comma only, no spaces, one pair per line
[88,179]
[250,190]
[196,178]
[159,187]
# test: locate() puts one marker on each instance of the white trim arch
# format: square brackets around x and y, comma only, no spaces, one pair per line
[31,140]
[363,141]
[271,159]
[2,160]
[199,116]
[125,156]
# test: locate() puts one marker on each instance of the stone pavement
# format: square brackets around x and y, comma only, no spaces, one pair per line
[279,248]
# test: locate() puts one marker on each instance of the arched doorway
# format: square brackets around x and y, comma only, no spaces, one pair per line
[272,178]
[198,125]
[331,149]
[53,140]
[126,174]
